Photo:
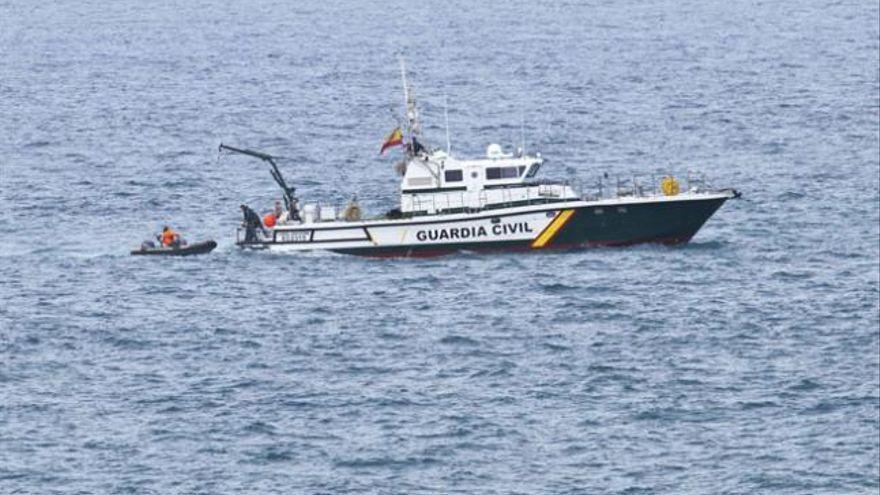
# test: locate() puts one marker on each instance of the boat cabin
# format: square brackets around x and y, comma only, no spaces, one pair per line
[437,182]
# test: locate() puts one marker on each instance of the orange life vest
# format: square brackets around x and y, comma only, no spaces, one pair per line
[168,237]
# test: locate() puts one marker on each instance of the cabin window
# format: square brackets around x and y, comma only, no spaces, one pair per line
[533,170]
[454,176]
[502,173]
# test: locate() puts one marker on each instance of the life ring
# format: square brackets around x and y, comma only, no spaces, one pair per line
[669,186]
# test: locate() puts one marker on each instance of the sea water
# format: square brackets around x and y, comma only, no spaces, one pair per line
[745,362]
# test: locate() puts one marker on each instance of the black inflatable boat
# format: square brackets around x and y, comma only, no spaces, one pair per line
[149,248]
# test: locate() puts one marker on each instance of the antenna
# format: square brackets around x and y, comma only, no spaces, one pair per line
[446,114]
[522,132]
[409,105]
[405,85]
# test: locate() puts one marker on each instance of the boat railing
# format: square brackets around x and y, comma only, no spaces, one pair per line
[542,192]
[512,195]
[241,234]
[642,185]
[696,181]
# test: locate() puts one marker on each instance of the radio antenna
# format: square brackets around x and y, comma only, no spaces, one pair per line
[412,116]
[446,114]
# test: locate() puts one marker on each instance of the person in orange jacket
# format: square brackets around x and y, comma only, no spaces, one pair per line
[169,238]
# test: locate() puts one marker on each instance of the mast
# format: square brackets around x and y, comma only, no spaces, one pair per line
[412,115]
[413,127]
[446,115]
[405,85]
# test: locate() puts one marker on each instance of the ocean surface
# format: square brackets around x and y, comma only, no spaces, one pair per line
[745,362]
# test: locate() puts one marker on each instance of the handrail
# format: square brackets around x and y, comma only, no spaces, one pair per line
[541,192]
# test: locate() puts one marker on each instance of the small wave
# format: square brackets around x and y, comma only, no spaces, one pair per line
[380,462]
[259,427]
[429,279]
[395,402]
[271,454]
[501,371]
[773,149]
[749,405]
[556,288]
[158,400]
[459,340]
[790,195]
[705,245]
[37,144]
[821,408]
[597,304]
[555,347]
[790,275]
[244,384]
[180,184]
[368,370]
[457,432]
[174,154]
[805,385]
[128,343]
[671,414]
[601,368]
[651,415]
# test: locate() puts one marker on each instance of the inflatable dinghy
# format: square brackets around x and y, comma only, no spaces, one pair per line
[149,248]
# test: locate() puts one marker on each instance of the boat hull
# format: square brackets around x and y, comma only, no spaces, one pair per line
[188,250]
[552,226]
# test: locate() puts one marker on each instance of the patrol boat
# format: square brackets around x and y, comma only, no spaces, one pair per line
[493,203]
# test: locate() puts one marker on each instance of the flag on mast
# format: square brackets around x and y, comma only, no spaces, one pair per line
[393,139]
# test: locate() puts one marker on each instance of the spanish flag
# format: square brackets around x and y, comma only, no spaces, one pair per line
[393,139]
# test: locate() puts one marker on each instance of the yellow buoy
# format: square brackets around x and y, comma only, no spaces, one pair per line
[669,186]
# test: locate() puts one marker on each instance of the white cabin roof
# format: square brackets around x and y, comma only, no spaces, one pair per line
[437,171]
